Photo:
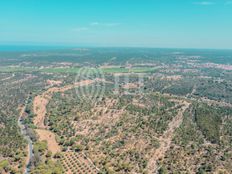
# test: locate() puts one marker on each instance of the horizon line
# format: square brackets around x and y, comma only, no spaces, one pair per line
[71,46]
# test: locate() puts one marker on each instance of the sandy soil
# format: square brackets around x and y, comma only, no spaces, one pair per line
[50,138]
[39,107]
[131,86]
[54,82]
[138,104]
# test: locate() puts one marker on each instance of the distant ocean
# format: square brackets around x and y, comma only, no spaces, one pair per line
[12,48]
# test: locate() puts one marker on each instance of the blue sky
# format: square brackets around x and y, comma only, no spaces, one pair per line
[144,23]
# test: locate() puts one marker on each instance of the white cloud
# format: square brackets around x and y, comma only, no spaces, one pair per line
[112,24]
[94,23]
[204,3]
[104,24]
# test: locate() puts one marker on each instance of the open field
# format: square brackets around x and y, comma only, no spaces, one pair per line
[17,69]
[49,137]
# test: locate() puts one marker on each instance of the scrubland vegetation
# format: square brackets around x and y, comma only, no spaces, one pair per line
[181,111]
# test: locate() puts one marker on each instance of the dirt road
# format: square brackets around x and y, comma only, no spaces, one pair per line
[166,139]
[39,107]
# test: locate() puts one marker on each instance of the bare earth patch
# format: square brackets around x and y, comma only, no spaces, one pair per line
[172,78]
[218,66]
[39,107]
[131,86]
[138,104]
[103,115]
[54,82]
[50,138]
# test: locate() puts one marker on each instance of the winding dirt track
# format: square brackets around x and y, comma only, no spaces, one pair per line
[41,101]
[39,107]
[166,139]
